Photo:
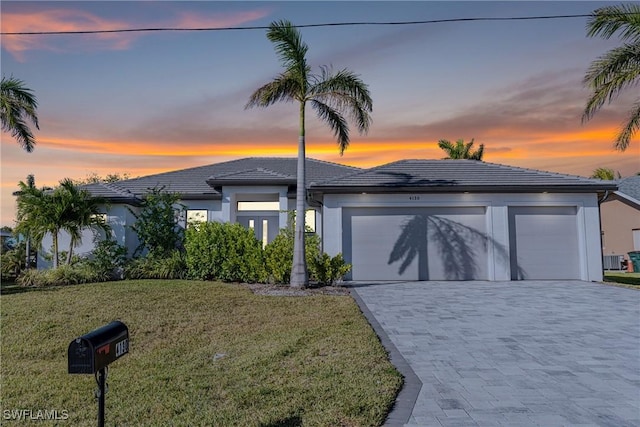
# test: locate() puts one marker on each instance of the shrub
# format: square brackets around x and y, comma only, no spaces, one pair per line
[13,261]
[223,251]
[61,276]
[154,266]
[279,255]
[108,259]
[157,223]
[327,270]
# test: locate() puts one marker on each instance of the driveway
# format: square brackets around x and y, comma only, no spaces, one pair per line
[527,353]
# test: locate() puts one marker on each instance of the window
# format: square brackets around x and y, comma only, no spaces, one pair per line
[265,232]
[195,216]
[258,206]
[310,220]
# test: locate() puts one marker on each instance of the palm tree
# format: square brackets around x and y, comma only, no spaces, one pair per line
[82,211]
[606,174]
[460,150]
[17,105]
[42,211]
[619,68]
[37,215]
[330,95]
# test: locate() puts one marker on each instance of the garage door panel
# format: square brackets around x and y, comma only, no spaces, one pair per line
[375,240]
[544,243]
[416,243]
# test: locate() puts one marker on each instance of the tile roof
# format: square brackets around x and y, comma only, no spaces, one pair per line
[458,175]
[192,182]
[108,191]
[630,187]
[404,175]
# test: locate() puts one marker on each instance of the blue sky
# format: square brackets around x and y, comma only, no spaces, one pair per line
[143,103]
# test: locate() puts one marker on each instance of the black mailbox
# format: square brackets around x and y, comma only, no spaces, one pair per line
[95,350]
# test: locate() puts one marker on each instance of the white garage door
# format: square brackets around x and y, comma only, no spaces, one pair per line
[416,243]
[543,243]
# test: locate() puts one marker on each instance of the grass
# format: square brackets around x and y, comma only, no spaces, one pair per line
[624,278]
[281,361]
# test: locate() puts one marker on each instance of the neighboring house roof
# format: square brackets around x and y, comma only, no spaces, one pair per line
[199,182]
[456,176]
[629,189]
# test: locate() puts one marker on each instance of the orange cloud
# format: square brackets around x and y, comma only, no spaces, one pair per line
[79,20]
[57,20]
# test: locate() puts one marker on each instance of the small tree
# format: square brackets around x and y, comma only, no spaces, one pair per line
[157,223]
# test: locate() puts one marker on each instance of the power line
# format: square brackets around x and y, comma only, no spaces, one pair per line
[332,24]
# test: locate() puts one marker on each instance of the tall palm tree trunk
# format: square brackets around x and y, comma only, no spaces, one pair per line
[299,275]
[54,235]
[28,249]
[70,254]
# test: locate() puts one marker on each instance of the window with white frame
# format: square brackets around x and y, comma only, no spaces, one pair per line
[195,216]
[258,206]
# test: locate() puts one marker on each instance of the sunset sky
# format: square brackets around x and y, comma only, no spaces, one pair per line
[142,103]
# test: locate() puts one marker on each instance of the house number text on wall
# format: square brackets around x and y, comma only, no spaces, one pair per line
[414,197]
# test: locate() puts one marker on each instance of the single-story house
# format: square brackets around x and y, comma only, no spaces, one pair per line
[620,213]
[406,220]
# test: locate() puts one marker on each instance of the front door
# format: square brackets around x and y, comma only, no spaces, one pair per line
[265,227]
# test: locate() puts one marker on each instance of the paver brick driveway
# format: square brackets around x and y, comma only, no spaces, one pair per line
[515,353]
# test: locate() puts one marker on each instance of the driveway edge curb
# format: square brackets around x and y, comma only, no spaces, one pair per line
[406,399]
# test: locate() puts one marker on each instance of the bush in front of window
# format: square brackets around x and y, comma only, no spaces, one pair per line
[223,251]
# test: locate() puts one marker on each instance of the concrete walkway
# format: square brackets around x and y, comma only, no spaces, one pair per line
[513,353]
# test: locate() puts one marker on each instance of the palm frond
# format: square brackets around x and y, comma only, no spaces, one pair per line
[290,47]
[446,146]
[283,88]
[336,122]
[608,75]
[18,104]
[629,129]
[608,20]
[477,155]
[344,91]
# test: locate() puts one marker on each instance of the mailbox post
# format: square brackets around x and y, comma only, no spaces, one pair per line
[93,352]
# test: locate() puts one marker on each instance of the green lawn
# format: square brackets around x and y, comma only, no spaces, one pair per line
[625,278]
[281,361]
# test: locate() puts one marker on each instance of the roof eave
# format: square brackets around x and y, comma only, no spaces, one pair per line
[462,189]
[276,181]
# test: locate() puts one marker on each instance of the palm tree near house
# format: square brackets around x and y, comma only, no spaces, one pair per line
[43,211]
[606,174]
[82,211]
[618,69]
[37,215]
[18,105]
[26,188]
[330,94]
[461,150]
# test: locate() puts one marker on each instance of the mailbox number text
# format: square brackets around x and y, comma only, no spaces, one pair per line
[122,347]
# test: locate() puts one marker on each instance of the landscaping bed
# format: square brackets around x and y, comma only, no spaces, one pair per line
[201,353]
[632,279]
